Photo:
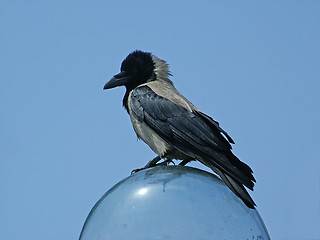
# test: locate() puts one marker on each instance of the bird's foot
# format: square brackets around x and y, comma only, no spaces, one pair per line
[153,163]
[137,170]
[166,162]
[150,164]
[185,161]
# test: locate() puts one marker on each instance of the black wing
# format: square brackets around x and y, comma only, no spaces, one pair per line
[196,135]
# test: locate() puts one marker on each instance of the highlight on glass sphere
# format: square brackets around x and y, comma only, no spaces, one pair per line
[172,202]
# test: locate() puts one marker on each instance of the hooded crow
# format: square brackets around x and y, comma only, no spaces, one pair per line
[173,127]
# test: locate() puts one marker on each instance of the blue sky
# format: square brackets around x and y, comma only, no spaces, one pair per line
[253,66]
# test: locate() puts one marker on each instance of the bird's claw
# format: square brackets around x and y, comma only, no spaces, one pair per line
[164,163]
[136,170]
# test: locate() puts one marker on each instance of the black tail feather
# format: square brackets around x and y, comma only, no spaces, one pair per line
[240,191]
[232,166]
[242,167]
[236,187]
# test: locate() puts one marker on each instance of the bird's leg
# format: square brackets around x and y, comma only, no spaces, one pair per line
[185,162]
[154,163]
[151,163]
[166,162]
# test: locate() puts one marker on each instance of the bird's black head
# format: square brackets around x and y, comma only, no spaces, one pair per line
[136,69]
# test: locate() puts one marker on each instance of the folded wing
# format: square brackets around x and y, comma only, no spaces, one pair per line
[195,134]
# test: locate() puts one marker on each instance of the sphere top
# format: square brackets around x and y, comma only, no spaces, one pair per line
[172,202]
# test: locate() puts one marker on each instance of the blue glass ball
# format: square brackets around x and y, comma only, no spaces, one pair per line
[172,202]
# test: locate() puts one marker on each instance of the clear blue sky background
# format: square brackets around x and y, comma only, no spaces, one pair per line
[253,66]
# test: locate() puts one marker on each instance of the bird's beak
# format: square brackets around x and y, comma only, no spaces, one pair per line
[118,80]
